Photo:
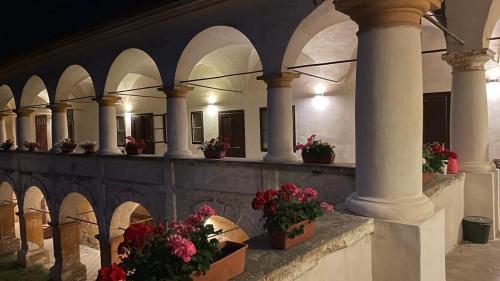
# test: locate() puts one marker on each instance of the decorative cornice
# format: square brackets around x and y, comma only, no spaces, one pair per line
[279,80]
[107,100]
[24,112]
[468,60]
[379,13]
[179,91]
[59,107]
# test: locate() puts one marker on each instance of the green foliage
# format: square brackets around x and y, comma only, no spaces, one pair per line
[433,158]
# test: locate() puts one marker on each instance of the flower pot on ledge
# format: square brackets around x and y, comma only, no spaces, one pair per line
[214,154]
[452,166]
[134,151]
[67,150]
[229,266]
[280,241]
[427,177]
[314,158]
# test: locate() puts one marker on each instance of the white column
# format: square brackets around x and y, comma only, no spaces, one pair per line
[3,131]
[24,128]
[389,110]
[59,122]
[280,117]
[177,122]
[108,142]
[469,109]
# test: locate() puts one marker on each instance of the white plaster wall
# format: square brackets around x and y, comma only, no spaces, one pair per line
[493,90]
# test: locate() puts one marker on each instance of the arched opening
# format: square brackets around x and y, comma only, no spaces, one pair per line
[126,214]
[80,251]
[9,222]
[75,88]
[38,232]
[223,106]
[34,100]
[134,76]
[230,230]
[7,118]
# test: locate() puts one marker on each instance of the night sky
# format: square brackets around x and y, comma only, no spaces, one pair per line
[27,25]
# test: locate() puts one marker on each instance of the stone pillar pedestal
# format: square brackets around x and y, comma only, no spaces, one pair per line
[9,243]
[59,123]
[24,128]
[108,143]
[280,117]
[67,253]
[177,122]
[3,131]
[32,251]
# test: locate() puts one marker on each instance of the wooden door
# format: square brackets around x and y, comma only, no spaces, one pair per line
[143,129]
[437,118]
[232,126]
[41,131]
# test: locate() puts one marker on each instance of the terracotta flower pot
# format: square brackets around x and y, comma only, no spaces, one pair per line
[427,177]
[228,267]
[452,166]
[134,151]
[280,241]
[214,154]
[67,150]
[318,158]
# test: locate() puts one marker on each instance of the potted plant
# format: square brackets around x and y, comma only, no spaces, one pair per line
[434,160]
[317,151]
[66,146]
[215,148]
[181,250]
[289,213]
[7,145]
[88,147]
[134,147]
[452,162]
[31,146]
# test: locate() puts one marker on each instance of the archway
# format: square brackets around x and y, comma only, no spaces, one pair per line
[9,222]
[124,215]
[230,230]
[38,233]
[7,118]
[222,64]
[77,242]
[135,78]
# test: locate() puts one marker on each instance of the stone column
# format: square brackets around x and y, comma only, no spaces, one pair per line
[469,109]
[24,127]
[280,117]
[3,131]
[9,243]
[177,122]
[67,266]
[33,251]
[59,121]
[108,143]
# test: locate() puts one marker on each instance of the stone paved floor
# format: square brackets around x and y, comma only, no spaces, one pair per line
[474,262]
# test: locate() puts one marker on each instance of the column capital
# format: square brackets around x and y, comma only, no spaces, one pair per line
[279,80]
[179,91]
[59,107]
[468,60]
[24,112]
[107,100]
[378,13]
[4,114]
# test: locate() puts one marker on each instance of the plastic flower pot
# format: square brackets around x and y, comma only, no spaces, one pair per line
[229,266]
[427,177]
[214,154]
[476,229]
[452,166]
[315,158]
[280,241]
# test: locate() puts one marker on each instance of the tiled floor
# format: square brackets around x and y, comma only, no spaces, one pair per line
[474,262]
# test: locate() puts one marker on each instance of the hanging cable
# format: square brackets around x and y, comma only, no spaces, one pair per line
[213,88]
[444,29]
[222,76]
[316,76]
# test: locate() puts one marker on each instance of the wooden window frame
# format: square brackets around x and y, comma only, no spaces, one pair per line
[193,141]
[264,109]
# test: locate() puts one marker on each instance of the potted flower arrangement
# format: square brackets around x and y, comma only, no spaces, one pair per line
[317,151]
[88,147]
[289,213]
[215,148]
[67,146]
[181,250]
[134,147]
[31,146]
[7,145]
[435,159]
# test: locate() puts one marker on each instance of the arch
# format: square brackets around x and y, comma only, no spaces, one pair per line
[34,92]
[491,27]
[121,217]
[33,198]
[74,82]
[230,230]
[7,193]
[7,99]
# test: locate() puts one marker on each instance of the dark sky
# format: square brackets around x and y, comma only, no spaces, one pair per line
[26,25]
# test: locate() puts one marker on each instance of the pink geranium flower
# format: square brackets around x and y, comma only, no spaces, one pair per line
[181,247]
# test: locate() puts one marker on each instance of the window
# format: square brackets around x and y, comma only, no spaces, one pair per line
[197,136]
[264,130]
[71,124]
[120,128]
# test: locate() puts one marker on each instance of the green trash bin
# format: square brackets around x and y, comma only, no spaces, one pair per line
[477,229]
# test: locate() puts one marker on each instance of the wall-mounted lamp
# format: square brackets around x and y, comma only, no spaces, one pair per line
[128,107]
[319,89]
[212,100]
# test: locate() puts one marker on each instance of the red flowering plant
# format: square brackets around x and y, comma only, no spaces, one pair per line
[287,206]
[134,144]
[434,157]
[215,145]
[170,251]
[111,273]
[314,145]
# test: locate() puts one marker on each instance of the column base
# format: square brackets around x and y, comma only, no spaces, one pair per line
[55,150]
[28,258]
[281,158]
[110,151]
[9,245]
[71,272]
[406,209]
[21,148]
[179,154]
[476,167]
[409,251]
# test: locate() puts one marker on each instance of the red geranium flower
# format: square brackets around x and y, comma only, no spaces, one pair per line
[136,234]
[111,273]
[258,203]
[270,209]
[291,189]
[270,194]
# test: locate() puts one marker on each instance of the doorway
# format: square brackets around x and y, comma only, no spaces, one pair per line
[41,132]
[232,126]
[437,118]
[143,129]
